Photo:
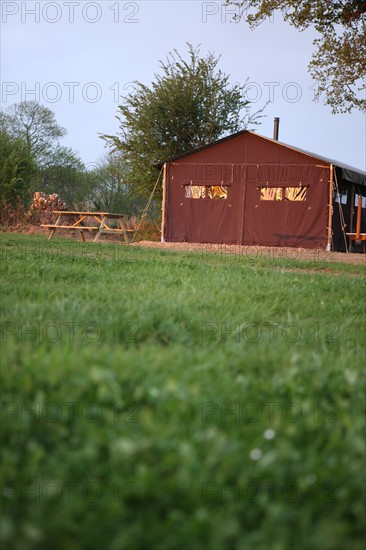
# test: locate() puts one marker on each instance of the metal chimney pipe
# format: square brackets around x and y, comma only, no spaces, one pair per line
[276,127]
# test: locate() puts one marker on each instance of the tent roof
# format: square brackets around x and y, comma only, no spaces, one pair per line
[349,173]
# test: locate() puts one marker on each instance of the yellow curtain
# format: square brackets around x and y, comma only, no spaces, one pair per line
[271,193]
[295,193]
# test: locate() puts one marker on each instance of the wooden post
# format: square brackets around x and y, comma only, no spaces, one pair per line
[330,211]
[351,215]
[358,220]
[163,206]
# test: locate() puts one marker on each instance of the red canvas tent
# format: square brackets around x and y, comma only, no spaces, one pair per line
[251,190]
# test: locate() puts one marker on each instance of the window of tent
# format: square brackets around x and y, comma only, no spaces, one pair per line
[271,193]
[205,191]
[341,196]
[278,193]
[363,203]
[295,193]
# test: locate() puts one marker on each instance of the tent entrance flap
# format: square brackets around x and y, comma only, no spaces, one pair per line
[208,212]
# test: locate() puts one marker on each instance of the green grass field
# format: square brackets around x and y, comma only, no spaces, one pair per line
[166,400]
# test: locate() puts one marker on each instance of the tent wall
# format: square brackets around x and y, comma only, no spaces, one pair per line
[246,165]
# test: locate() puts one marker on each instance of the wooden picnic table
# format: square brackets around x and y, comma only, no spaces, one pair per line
[74,221]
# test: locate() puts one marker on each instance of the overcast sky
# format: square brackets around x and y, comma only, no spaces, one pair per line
[78,58]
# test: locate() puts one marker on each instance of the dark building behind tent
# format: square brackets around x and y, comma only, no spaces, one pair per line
[251,190]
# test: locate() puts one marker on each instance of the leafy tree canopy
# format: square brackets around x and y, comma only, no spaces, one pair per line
[32,159]
[112,191]
[189,104]
[16,169]
[36,125]
[339,61]
[63,172]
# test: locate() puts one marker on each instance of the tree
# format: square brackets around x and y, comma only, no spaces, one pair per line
[339,62]
[36,125]
[112,191]
[33,134]
[16,169]
[189,105]
[64,173]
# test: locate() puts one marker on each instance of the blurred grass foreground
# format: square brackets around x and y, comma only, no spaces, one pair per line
[179,400]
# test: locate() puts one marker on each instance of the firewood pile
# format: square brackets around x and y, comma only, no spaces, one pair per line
[42,207]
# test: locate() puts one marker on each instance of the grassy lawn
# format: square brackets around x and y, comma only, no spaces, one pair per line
[174,400]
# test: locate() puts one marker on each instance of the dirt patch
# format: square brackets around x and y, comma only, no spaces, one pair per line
[315,255]
[262,251]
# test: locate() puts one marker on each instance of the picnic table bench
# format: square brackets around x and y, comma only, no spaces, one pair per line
[74,221]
